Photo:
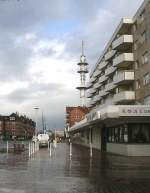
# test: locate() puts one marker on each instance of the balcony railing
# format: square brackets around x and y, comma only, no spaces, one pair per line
[125,25]
[124,96]
[110,54]
[110,70]
[123,42]
[97,85]
[97,72]
[110,86]
[102,79]
[102,65]
[93,78]
[92,90]
[89,95]
[123,60]
[103,93]
[124,77]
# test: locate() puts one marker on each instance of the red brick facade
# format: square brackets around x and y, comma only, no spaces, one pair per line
[16,126]
[75,114]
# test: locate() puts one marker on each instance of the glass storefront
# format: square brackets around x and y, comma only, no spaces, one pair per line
[129,133]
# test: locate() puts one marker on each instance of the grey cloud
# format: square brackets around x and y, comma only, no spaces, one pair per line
[34,91]
[23,15]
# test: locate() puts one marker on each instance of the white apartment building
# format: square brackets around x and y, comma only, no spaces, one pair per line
[119,92]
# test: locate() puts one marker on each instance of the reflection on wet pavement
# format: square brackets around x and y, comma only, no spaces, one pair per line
[104,173]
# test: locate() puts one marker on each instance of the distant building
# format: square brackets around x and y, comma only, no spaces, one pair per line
[75,114]
[17,126]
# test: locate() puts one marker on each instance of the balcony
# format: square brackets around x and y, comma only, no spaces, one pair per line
[89,85]
[125,77]
[110,86]
[97,85]
[110,70]
[103,93]
[124,42]
[96,98]
[92,90]
[125,25]
[93,78]
[110,54]
[102,65]
[97,72]
[124,97]
[89,95]
[123,60]
[102,79]
[92,102]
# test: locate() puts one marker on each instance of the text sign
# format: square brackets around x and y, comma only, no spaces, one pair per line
[134,111]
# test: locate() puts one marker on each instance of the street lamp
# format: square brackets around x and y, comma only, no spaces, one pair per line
[36,118]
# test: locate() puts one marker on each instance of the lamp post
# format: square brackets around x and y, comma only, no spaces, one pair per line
[36,118]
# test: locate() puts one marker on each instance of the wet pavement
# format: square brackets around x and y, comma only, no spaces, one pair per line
[104,173]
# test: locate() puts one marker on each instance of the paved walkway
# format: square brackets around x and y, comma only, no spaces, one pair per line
[80,174]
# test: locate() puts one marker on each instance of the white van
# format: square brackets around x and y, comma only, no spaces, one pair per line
[43,140]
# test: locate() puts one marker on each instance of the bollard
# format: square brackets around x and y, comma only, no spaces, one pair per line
[55,143]
[91,150]
[7,147]
[50,149]
[33,147]
[48,145]
[70,149]
[29,149]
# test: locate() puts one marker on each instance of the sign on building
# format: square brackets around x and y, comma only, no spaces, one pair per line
[134,111]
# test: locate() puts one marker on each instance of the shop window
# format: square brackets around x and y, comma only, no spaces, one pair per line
[125,133]
[140,133]
[121,134]
[118,134]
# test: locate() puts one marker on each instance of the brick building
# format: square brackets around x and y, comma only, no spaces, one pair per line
[75,114]
[17,126]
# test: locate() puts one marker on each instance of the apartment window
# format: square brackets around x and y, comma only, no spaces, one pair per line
[137,84]
[146,79]
[136,65]
[135,27]
[143,37]
[147,100]
[142,16]
[135,45]
[145,58]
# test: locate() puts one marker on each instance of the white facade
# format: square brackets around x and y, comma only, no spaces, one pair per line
[118,124]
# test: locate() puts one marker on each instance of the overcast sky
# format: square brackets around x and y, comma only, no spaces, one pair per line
[40,44]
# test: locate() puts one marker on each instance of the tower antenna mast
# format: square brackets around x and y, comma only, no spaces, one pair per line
[82,71]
